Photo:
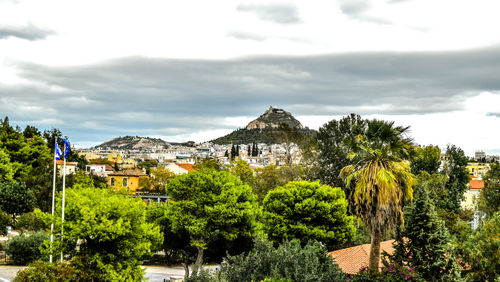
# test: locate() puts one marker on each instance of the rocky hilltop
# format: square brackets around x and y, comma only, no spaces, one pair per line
[134,143]
[274,118]
[268,128]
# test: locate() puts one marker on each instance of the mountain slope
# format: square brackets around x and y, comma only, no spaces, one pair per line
[133,143]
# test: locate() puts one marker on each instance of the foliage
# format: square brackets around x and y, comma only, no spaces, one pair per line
[5,220]
[482,251]
[15,198]
[110,231]
[489,199]
[45,271]
[24,248]
[204,275]
[392,273]
[247,136]
[148,165]
[208,164]
[266,179]
[160,176]
[30,221]
[427,159]
[208,203]
[455,169]
[383,181]
[7,169]
[288,261]
[241,169]
[308,211]
[333,140]
[426,245]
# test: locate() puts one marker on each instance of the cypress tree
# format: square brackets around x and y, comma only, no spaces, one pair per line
[237,150]
[425,246]
[248,150]
[233,151]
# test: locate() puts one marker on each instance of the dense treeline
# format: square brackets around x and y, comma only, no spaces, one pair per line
[360,181]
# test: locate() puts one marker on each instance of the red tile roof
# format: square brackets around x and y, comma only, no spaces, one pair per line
[188,167]
[350,260]
[61,162]
[476,184]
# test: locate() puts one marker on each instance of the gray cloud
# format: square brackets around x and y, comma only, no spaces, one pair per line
[356,9]
[279,13]
[246,35]
[148,96]
[27,32]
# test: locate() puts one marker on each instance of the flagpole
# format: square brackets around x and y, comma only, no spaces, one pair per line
[53,200]
[63,198]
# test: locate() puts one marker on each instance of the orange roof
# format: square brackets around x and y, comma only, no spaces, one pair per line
[350,260]
[61,162]
[188,167]
[476,184]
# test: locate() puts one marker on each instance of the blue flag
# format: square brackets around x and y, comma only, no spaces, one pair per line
[58,152]
[67,150]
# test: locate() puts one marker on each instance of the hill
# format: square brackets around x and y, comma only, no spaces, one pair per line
[133,143]
[271,127]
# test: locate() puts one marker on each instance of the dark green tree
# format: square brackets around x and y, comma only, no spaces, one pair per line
[15,198]
[456,169]
[425,246]
[233,151]
[489,199]
[426,159]
[31,131]
[308,211]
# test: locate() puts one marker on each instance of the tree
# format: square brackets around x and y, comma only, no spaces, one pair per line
[266,179]
[160,176]
[110,231]
[289,260]
[7,169]
[24,248]
[456,169]
[241,169]
[425,247]
[427,159]
[308,211]
[208,163]
[31,131]
[482,251]
[333,139]
[489,199]
[383,181]
[15,198]
[148,165]
[208,203]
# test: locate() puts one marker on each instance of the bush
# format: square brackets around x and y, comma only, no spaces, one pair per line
[45,271]
[204,275]
[30,221]
[387,274]
[5,220]
[287,261]
[24,248]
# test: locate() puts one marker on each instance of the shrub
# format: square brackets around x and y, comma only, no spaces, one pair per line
[387,274]
[204,275]
[45,271]
[5,220]
[30,221]
[287,261]
[24,248]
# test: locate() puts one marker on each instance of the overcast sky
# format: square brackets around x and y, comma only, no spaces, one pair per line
[196,70]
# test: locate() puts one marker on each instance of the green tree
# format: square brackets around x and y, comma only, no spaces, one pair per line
[427,159]
[148,165]
[31,131]
[15,198]
[160,176]
[455,168]
[7,170]
[489,199]
[208,203]
[25,248]
[241,169]
[426,245]
[383,181]
[208,163]
[266,179]
[110,232]
[308,211]
[289,260]
[482,251]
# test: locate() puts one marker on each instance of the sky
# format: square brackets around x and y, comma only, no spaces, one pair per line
[196,70]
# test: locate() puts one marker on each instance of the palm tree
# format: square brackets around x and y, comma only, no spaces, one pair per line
[383,181]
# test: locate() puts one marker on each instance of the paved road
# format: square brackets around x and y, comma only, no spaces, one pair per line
[153,273]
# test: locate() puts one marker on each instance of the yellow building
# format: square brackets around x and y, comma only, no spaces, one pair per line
[126,179]
[477,170]
[471,196]
[115,158]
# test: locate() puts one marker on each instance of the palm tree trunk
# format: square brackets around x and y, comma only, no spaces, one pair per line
[375,251]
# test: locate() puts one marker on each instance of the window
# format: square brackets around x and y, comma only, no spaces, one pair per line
[125,182]
[112,181]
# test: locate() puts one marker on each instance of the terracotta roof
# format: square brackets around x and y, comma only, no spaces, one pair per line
[188,167]
[476,184]
[350,260]
[129,172]
[61,162]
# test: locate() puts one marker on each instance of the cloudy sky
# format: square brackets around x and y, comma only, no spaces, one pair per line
[196,70]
